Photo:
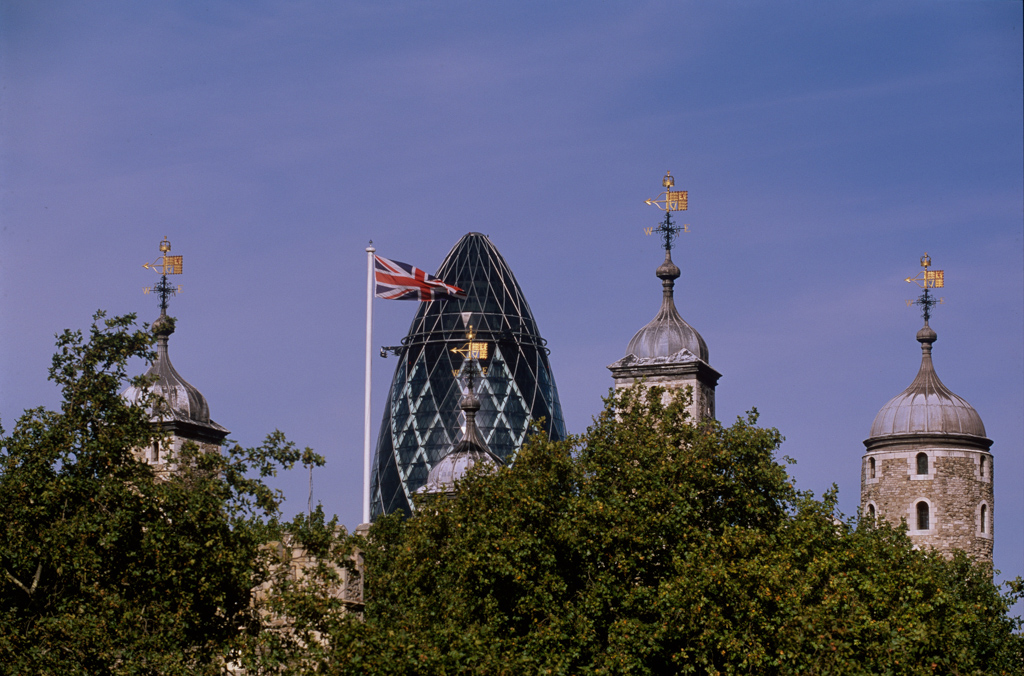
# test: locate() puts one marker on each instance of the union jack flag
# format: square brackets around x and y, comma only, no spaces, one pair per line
[401,281]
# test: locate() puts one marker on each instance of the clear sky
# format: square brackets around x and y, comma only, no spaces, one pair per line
[825,147]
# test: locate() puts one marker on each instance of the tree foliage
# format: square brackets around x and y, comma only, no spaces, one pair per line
[653,545]
[649,545]
[107,568]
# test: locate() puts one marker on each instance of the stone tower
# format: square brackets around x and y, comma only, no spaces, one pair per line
[928,463]
[668,352]
[182,412]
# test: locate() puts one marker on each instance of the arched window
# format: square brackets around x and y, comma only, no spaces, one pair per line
[984,517]
[871,511]
[922,463]
[922,515]
[871,464]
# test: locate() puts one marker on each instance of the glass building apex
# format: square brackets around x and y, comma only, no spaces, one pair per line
[422,420]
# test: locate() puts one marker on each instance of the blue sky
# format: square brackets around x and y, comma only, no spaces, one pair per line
[825,147]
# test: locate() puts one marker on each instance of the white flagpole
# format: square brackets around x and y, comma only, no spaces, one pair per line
[366,415]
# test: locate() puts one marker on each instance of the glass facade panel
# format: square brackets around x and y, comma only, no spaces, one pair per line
[422,419]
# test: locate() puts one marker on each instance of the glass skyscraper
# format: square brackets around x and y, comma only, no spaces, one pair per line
[422,419]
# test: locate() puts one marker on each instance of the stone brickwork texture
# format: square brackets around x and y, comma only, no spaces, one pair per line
[702,407]
[957,490]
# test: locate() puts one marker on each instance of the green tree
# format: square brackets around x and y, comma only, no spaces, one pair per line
[650,545]
[106,568]
[304,602]
[653,545]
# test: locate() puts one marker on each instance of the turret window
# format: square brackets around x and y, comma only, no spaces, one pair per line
[984,518]
[922,463]
[871,512]
[984,468]
[923,521]
[871,468]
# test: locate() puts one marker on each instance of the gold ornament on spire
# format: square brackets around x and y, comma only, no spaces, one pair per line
[164,265]
[670,200]
[473,349]
[927,280]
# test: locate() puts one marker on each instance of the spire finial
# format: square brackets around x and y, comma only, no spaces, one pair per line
[927,279]
[165,265]
[473,351]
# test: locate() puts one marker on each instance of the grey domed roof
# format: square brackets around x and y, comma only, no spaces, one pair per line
[927,406]
[452,467]
[470,451]
[667,333]
[182,402]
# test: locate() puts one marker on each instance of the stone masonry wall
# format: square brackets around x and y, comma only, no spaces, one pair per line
[958,484]
[163,456]
[701,408]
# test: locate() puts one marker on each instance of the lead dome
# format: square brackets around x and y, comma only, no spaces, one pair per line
[180,401]
[470,451]
[927,406]
[668,333]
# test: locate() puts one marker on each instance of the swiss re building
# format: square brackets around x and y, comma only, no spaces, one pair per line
[422,418]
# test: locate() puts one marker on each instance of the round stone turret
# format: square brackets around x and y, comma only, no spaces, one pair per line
[928,463]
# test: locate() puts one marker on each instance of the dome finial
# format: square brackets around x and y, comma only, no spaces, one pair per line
[181,402]
[472,449]
[668,333]
[470,403]
[927,406]
[669,201]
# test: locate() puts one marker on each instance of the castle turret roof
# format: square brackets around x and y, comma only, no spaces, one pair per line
[180,401]
[668,333]
[470,451]
[927,406]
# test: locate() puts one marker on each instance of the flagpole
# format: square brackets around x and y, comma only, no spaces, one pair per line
[366,408]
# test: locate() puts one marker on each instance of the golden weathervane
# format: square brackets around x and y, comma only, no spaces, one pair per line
[927,279]
[669,201]
[165,265]
[473,350]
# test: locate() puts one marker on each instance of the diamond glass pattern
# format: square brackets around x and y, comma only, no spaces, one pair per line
[422,419]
